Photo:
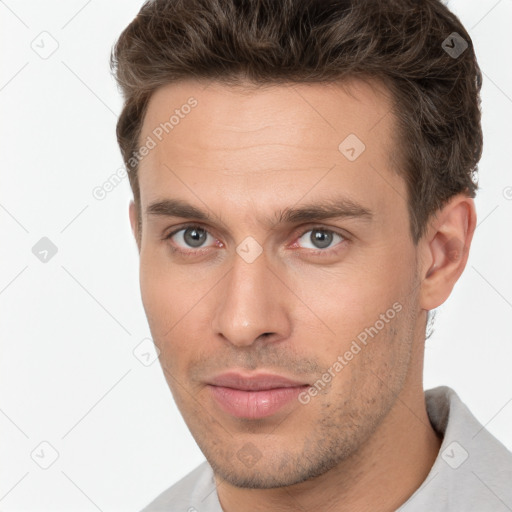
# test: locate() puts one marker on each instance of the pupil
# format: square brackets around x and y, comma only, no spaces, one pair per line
[194,236]
[321,239]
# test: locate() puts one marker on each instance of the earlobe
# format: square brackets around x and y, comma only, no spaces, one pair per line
[447,244]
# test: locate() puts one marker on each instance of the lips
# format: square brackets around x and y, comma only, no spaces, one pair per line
[253,396]
[259,382]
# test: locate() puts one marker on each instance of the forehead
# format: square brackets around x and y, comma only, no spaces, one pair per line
[270,144]
[308,113]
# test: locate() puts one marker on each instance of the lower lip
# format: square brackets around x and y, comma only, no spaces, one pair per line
[254,404]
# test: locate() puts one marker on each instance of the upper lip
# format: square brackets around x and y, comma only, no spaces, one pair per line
[256,382]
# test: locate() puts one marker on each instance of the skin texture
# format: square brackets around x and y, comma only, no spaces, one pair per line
[245,155]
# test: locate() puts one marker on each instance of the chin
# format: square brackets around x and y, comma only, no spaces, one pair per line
[278,474]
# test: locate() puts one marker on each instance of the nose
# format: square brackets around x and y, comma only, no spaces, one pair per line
[252,304]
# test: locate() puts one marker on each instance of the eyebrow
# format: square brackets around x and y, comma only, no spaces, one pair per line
[329,208]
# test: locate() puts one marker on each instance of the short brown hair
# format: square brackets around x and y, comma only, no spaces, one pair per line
[404,43]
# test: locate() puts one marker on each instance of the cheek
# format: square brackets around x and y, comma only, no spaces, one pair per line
[342,301]
[175,302]
[355,305]
[157,289]
[165,296]
[166,288]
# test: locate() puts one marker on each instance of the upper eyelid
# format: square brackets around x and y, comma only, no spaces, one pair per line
[322,228]
[176,230]
[172,231]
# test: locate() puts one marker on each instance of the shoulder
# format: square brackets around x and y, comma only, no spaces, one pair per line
[473,470]
[195,491]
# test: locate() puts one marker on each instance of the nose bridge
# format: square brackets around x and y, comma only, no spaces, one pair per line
[249,304]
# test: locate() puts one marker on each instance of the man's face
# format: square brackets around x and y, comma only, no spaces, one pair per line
[257,288]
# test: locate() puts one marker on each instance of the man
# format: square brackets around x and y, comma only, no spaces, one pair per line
[303,179]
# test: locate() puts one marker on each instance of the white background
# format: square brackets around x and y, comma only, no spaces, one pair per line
[68,374]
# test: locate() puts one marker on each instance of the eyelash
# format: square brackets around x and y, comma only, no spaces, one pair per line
[190,253]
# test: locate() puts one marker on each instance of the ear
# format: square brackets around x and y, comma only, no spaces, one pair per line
[445,250]
[134,221]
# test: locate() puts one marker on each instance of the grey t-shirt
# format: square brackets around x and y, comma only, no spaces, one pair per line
[472,472]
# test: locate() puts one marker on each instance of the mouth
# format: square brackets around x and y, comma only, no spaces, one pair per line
[253,396]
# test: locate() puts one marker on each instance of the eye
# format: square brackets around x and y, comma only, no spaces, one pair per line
[320,238]
[190,237]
